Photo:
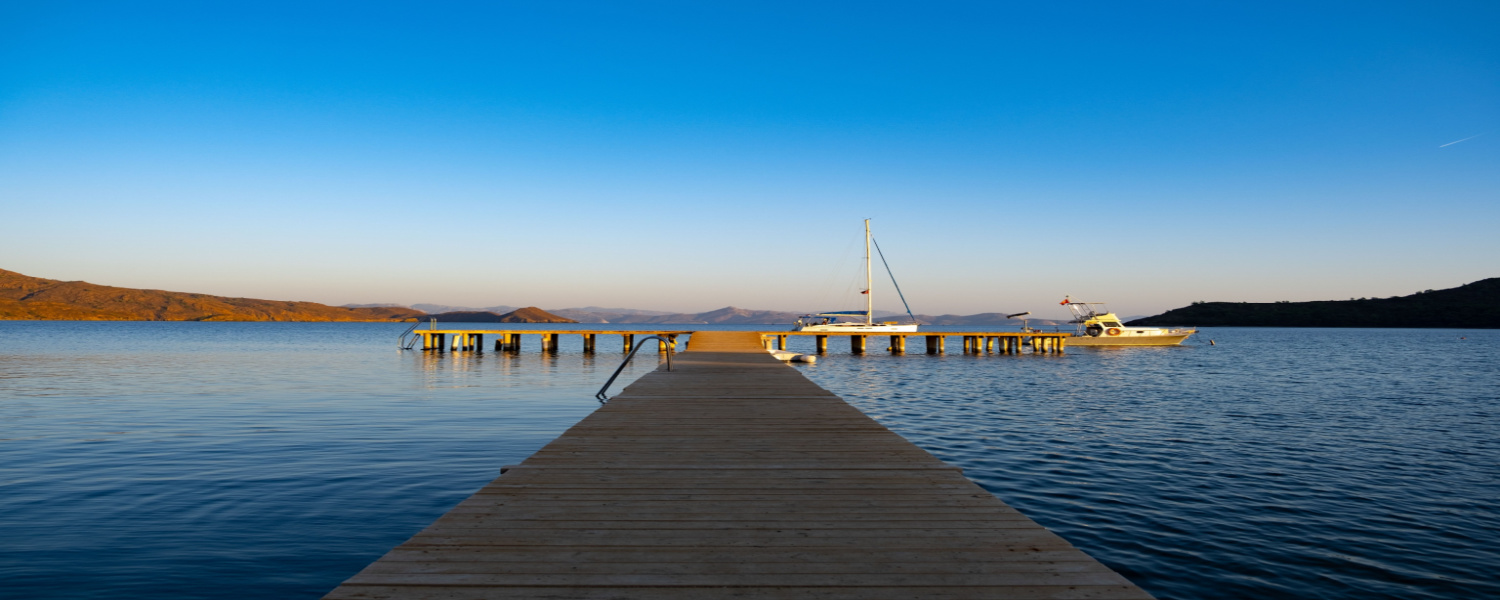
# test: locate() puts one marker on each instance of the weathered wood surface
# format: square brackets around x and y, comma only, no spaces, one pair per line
[733,476]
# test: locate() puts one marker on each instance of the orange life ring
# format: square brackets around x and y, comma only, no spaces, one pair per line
[1113,331]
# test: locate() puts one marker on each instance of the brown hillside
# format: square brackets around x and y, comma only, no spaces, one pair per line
[532,314]
[466,316]
[726,315]
[24,297]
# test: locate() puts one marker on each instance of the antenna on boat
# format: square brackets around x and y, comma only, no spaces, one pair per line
[1025,323]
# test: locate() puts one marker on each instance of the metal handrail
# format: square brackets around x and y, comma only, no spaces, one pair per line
[401,341]
[603,399]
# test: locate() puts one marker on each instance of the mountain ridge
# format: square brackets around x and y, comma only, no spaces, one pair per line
[529,314]
[23,297]
[1470,306]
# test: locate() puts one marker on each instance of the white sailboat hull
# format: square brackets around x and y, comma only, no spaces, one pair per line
[858,328]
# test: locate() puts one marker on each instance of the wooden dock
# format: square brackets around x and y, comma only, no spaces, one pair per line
[974,342]
[510,339]
[1001,342]
[733,476]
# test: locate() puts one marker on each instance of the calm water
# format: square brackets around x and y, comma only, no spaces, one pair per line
[197,460]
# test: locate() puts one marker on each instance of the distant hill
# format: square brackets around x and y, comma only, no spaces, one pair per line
[977,319]
[530,314]
[726,315]
[1472,306]
[25,297]
[444,308]
[621,311]
[599,314]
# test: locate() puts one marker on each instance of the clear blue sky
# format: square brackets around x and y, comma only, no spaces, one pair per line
[687,156]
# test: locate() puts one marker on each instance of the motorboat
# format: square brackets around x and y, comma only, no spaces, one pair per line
[1099,327]
[854,321]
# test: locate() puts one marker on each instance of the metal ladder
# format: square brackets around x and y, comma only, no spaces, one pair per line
[406,344]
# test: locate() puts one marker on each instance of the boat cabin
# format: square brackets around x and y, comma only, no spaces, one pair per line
[828,318]
[1094,318]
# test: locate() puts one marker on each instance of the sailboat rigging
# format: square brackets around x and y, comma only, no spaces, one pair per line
[828,321]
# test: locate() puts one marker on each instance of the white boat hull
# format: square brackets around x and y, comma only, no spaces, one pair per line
[858,328]
[1127,339]
[787,356]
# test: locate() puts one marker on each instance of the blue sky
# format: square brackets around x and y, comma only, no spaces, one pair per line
[687,156]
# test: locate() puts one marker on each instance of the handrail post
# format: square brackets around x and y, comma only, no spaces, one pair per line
[603,399]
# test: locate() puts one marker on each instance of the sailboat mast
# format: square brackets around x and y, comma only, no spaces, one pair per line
[869,292]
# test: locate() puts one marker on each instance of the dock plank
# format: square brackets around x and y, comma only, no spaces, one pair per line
[733,476]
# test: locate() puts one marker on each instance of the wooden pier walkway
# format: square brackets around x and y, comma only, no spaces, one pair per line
[733,476]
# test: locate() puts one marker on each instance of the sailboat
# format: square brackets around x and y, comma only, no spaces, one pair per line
[829,321]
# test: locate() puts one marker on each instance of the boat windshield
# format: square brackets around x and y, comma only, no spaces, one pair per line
[1083,311]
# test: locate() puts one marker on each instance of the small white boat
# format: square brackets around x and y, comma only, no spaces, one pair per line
[859,321]
[788,356]
[1099,327]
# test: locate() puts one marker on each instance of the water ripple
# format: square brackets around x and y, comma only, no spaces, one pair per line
[1279,463]
[161,460]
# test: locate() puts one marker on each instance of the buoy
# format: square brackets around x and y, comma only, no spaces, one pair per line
[1211,343]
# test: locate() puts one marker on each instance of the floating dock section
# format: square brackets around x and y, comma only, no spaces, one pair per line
[733,476]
